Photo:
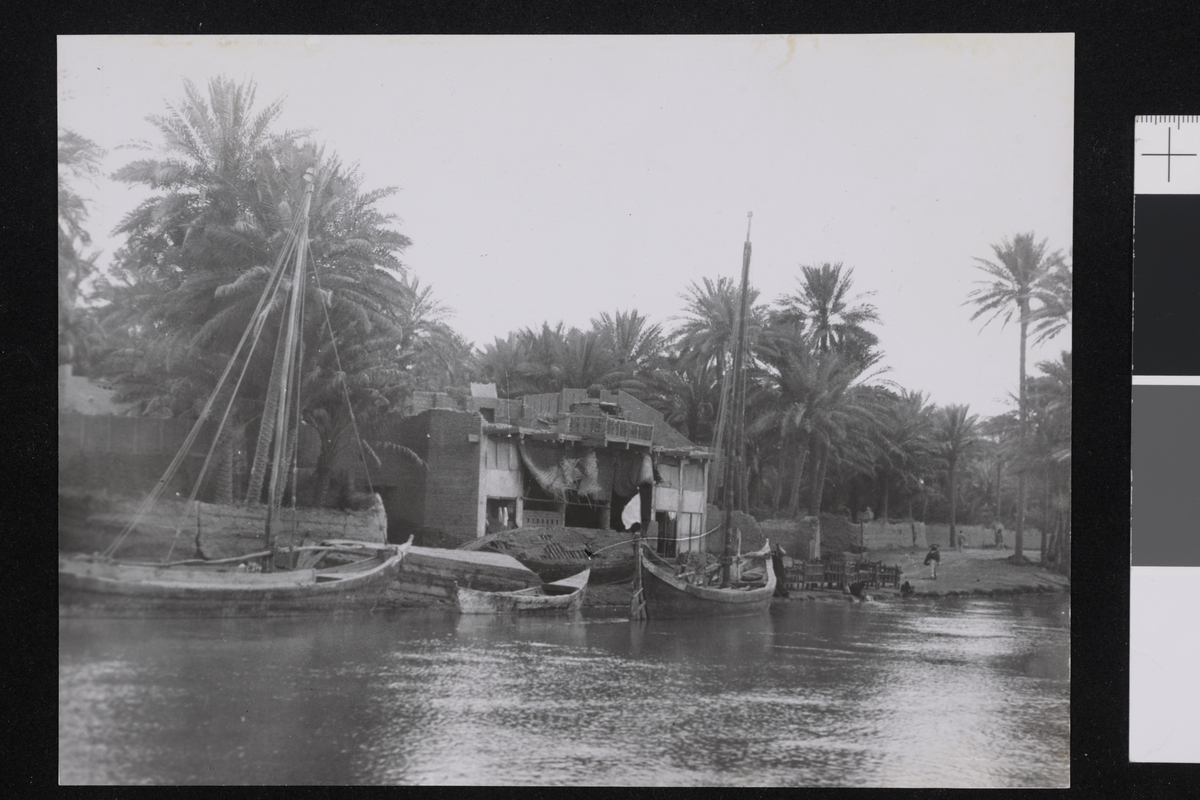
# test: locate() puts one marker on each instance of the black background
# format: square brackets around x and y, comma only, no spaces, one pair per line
[1166,284]
[1133,58]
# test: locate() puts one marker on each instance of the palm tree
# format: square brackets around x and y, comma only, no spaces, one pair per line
[823,307]
[816,402]
[435,355]
[1019,270]
[1054,293]
[956,435]
[78,158]
[1050,402]
[506,363]
[687,396]
[705,337]
[199,254]
[635,345]
[904,443]
[585,360]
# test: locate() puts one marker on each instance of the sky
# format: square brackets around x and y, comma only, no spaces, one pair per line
[553,178]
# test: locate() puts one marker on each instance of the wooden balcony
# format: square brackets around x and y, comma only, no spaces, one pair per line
[606,430]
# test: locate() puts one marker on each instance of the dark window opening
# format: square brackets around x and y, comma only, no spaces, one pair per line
[666,545]
[501,514]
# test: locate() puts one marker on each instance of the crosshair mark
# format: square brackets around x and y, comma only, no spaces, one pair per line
[1169,155]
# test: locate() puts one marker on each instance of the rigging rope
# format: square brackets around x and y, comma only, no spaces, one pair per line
[259,324]
[684,539]
[173,467]
[346,388]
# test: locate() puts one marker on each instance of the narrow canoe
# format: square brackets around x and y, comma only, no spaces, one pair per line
[564,595]
[332,577]
[668,596]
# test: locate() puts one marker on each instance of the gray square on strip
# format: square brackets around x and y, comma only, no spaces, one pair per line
[1165,466]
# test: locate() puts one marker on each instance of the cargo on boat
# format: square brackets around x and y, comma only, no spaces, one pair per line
[431,573]
[556,553]
[564,595]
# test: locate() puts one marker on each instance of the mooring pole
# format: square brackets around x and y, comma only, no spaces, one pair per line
[738,347]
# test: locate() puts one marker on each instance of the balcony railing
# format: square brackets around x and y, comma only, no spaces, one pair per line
[607,429]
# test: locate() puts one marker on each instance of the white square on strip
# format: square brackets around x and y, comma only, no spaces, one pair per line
[1166,154]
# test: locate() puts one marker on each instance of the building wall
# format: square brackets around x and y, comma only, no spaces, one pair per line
[451,514]
[400,481]
[682,493]
[983,536]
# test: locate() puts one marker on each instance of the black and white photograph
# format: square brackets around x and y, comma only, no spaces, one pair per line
[663,411]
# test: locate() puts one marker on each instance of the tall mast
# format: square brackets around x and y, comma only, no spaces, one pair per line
[739,343]
[289,355]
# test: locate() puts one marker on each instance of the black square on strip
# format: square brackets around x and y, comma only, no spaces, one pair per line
[1166,284]
[1165,466]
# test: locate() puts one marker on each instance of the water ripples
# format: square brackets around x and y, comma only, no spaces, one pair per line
[971,694]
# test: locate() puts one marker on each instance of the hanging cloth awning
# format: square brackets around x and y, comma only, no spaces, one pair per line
[631,470]
[543,465]
[591,486]
[558,474]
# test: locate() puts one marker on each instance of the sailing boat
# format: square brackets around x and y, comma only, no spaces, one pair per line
[663,590]
[331,575]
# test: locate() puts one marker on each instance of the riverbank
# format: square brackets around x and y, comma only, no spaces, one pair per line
[973,572]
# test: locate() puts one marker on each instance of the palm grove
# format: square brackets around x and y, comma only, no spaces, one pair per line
[820,427]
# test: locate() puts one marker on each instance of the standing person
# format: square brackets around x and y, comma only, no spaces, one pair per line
[780,572]
[932,559]
[999,535]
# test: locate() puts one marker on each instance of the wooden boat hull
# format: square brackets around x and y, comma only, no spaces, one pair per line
[557,553]
[431,573]
[110,589]
[668,597]
[565,595]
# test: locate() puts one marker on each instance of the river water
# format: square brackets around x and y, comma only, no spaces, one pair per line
[956,692]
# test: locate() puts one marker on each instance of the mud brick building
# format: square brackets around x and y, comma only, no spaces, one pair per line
[546,460]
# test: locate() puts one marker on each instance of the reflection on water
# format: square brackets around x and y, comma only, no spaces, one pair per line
[958,693]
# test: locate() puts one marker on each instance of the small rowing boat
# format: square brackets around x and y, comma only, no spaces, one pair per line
[564,595]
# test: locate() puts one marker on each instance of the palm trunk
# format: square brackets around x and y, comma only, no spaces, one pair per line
[820,458]
[953,499]
[1020,535]
[797,478]
[1045,516]
[815,488]
[999,466]
[883,506]
[777,493]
